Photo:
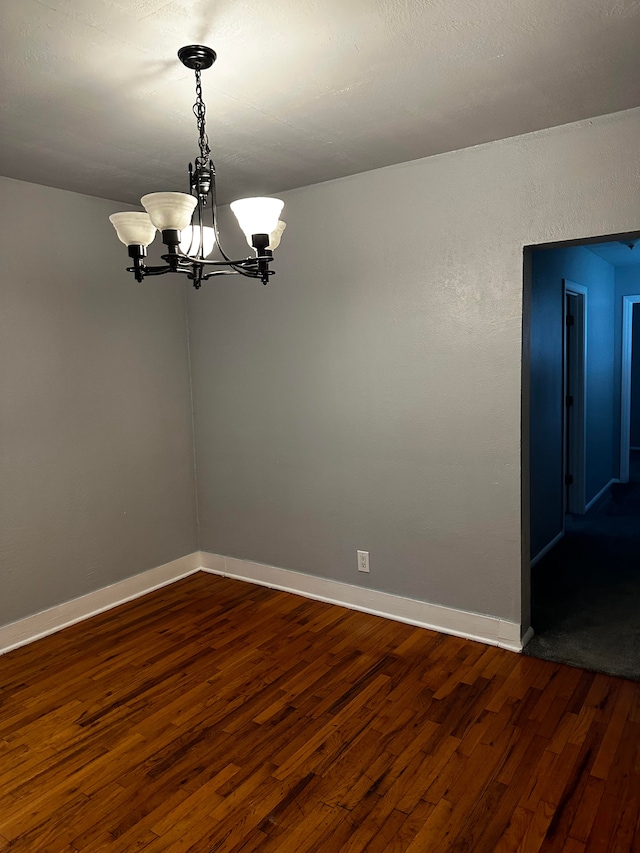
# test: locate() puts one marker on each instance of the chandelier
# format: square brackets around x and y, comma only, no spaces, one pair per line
[188,222]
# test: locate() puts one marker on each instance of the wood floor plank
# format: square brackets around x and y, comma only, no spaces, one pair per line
[537,829]
[573,846]
[216,716]
[587,809]
[435,831]
[409,828]
[513,836]
[384,832]
[611,739]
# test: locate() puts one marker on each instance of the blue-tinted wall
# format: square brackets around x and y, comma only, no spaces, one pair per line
[635,378]
[627,284]
[545,401]
[549,268]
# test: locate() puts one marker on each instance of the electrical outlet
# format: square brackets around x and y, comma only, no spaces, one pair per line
[363,561]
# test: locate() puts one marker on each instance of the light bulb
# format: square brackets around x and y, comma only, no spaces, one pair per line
[190,241]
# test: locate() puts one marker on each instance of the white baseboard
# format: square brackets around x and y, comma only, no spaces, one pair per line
[55,618]
[528,635]
[460,623]
[602,491]
[546,549]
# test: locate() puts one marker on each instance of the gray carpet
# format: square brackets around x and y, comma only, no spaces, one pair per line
[586,591]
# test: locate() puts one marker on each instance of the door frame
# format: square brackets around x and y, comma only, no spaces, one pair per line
[574,497]
[625,384]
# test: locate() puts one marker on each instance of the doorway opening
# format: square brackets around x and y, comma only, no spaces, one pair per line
[581,478]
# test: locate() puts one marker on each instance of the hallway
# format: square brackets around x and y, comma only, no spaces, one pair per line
[586,591]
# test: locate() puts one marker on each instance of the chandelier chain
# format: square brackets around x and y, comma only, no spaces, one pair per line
[199,110]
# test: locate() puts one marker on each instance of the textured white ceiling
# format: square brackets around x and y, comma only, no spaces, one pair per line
[619,253]
[95,100]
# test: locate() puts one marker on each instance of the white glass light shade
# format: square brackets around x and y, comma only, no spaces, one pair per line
[169,211]
[133,228]
[190,241]
[257,215]
[276,235]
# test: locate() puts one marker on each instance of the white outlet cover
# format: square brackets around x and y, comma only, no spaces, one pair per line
[363,561]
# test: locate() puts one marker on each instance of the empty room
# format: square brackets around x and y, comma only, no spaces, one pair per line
[266,400]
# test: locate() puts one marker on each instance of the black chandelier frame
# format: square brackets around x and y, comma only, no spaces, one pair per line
[202,185]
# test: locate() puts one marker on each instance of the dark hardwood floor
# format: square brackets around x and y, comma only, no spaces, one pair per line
[212,715]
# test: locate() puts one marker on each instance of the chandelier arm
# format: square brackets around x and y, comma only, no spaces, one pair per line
[249,267]
[210,192]
[226,257]
[244,263]
[209,275]
[189,266]
[145,271]
[191,271]
[232,272]
[214,219]
[227,260]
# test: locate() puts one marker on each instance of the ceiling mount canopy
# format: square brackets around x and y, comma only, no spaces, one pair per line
[196,56]
[188,222]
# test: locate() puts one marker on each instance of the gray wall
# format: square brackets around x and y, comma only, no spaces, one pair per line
[96,465]
[370,396]
[549,268]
